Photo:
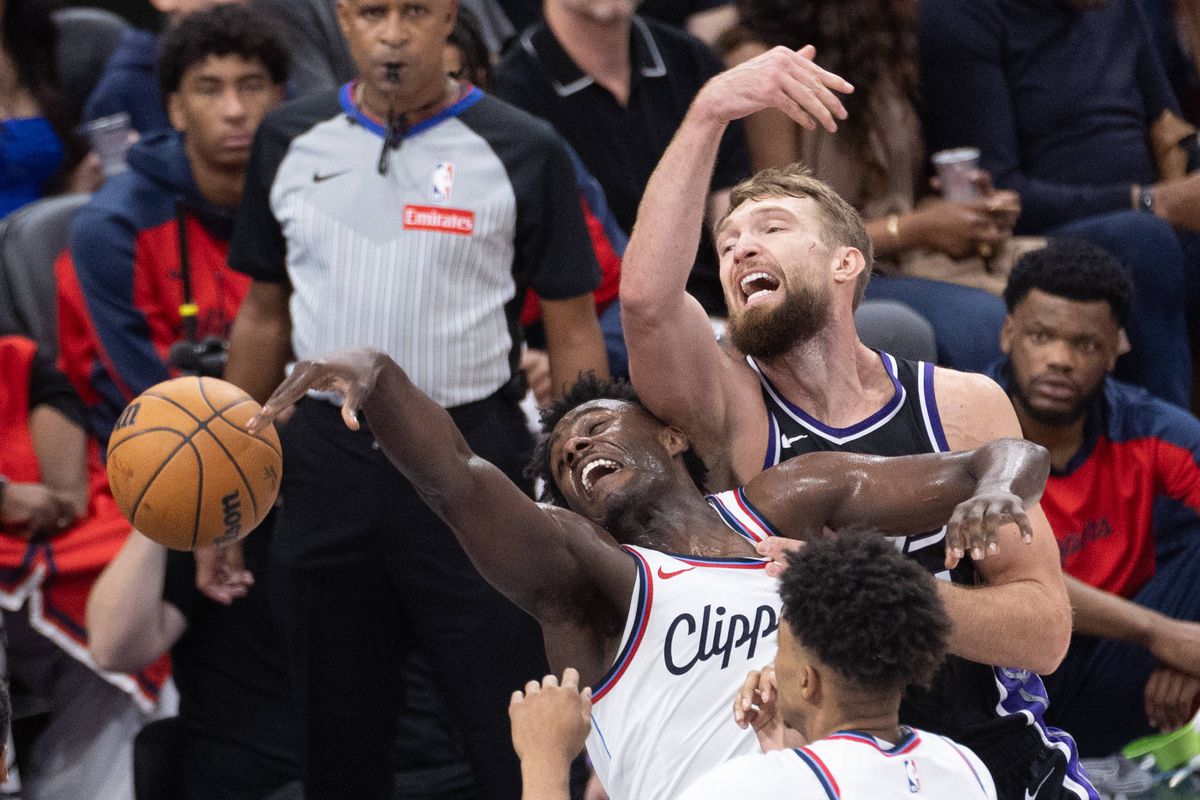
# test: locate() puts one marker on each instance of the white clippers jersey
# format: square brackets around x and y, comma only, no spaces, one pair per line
[854,766]
[663,715]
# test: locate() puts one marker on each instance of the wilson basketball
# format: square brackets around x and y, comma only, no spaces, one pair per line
[183,468]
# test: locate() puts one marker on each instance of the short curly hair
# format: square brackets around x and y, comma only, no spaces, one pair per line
[590,387]
[866,611]
[1075,270]
[224,30]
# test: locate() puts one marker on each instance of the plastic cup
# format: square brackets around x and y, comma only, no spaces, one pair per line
[110,138]
[956,168]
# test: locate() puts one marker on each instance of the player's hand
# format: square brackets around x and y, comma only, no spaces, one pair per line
[350,373]
[777,548]
[221,574]
[34,509]
[1172,699]
[756,707]
[536,366]
[551,721]
[781,78]
[974,527]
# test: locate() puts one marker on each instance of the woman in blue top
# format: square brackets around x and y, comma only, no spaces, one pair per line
[39,151]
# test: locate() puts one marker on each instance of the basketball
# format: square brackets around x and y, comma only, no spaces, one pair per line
[183,468]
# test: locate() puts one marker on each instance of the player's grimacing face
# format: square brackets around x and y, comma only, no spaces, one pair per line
[1060,351]
[603,453]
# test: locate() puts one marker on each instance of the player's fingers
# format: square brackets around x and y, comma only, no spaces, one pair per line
[955,537]
[744,698]
[799,97]
[815,78]
[550,681]
[996,515]
[830,79]
[1022,520]
[517,697]
[570,678]
[294,387]
[532,688]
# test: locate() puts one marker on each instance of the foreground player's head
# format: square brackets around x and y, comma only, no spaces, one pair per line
[603,453]
[1067,307]
[862,622]
[793,252]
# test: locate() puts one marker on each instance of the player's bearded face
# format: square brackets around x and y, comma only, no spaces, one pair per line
[769,330]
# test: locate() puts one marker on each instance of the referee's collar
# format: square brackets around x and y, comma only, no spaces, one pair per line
[471,95]
[566,76]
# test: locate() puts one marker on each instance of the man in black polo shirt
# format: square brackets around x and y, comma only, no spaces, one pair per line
[616,87]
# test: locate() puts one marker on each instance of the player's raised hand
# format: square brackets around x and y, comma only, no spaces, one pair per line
[975,525]
[350,373]
[551,721]
[781,78]
[776,548]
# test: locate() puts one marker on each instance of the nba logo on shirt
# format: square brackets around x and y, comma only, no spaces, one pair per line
[914,780]
[443,182]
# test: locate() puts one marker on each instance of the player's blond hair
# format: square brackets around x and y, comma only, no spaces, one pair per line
[841,225]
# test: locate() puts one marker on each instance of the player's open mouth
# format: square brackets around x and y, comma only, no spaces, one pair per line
[596,469]
[757,286]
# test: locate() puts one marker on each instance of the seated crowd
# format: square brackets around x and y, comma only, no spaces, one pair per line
[706,242]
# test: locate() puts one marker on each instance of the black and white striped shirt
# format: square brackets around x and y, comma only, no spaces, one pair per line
[428,262]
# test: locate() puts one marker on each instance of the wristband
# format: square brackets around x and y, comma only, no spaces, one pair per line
[1145,200]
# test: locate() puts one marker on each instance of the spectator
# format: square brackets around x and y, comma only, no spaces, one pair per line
[1175,32]
[1070,108]
[59,526]
[233,738]
[122,307]
[130,81]
[486,203]
[616,87]
[1134,661]
[877,162]
[40,153]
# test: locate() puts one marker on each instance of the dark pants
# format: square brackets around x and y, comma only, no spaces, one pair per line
[1149,248]
[966,322]
[367,574]
[1097,694]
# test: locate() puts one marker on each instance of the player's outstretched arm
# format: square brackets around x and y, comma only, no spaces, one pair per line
[539,557]
[673,358]
[974,493]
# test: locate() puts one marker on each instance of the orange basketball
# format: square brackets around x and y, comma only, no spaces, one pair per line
[183,468]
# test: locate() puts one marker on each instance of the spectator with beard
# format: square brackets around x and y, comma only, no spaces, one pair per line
[795,260]
[1134,662]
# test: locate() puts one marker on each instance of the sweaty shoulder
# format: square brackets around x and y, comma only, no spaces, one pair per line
[973,408]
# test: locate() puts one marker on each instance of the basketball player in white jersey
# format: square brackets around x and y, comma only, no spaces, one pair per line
[654,595]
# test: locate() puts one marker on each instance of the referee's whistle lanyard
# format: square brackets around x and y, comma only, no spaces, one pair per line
[397,124]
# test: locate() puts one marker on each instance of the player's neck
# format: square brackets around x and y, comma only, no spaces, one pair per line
[1063,441]
[679,521]
[874,718]
[832,376]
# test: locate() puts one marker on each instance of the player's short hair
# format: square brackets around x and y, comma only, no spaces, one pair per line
[1073,269]
[590,387]
[866,611]
[841,225]
[224,30]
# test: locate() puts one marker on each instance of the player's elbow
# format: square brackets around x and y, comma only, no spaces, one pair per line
[112,652]
[1054,638]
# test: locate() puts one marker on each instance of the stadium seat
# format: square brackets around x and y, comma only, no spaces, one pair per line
[30,241]
[86,38]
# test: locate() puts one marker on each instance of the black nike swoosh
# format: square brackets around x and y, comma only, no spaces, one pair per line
[318,177]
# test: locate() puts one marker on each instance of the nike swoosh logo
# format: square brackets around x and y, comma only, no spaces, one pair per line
[318,177]
[668,575]
[786,441]
[1036,791]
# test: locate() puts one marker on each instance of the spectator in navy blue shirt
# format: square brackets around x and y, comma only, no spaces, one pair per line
[1064,99]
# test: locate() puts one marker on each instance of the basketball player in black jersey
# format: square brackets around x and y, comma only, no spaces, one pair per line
[795,260]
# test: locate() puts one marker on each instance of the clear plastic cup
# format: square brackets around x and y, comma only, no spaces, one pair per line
[110,138]
[956,169]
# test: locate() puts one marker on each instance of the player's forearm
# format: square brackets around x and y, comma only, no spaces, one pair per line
[1014,465]
[260,344]
[1109,616]
[543,780]
[124,609]
[1022,624]
[662,248]
[574,342]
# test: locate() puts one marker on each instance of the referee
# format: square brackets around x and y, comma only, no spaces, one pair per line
[405,212]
